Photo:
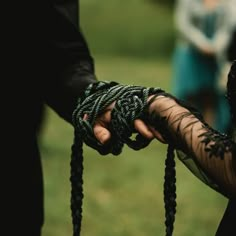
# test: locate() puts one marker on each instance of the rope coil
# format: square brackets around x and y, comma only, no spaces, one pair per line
[130,104]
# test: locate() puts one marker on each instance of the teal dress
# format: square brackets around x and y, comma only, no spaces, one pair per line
[194,73]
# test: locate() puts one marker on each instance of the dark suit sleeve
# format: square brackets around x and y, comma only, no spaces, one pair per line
[70,67]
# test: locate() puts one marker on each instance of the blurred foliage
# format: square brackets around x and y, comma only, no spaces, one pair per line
[128,28]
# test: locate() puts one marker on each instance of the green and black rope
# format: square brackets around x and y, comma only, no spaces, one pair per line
[130,104]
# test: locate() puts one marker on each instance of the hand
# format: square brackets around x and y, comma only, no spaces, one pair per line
[208,51]
[103,134]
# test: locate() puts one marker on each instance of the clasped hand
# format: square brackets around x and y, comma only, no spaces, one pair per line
[103,135]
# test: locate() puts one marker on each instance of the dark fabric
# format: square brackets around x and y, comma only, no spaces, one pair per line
[231,51]
[45,60]
[227,224]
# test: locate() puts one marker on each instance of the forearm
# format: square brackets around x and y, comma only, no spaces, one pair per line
[213,152]
[70,64]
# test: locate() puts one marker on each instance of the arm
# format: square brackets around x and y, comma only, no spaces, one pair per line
[187,29]
[207,153]
[70,65]
[210,155]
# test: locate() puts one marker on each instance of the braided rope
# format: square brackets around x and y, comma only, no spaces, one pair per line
[170,191]
[130,104]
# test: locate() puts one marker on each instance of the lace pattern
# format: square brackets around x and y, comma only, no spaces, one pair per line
[209,154]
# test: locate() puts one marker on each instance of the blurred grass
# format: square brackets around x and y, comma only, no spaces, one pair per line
[128,28]
[123,194]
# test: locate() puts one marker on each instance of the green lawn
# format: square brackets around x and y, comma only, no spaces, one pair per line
[123,194]
[128,27]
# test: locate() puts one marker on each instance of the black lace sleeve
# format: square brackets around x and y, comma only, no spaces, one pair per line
[210,155]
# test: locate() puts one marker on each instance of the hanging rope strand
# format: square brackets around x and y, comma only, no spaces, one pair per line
[170,190]
[76,179]
[130,104]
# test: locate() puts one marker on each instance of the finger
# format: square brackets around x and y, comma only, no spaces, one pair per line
[157,135]
[105,116]
[143,129]
[85,117]
[101,133]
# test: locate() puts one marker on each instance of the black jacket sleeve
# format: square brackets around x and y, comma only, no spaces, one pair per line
[70,67]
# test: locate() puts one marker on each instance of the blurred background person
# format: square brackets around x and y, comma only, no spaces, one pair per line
[204,30]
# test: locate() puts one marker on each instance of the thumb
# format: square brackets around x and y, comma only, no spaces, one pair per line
[101,133]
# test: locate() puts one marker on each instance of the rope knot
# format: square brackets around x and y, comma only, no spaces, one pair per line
[130,104]
[127,109]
